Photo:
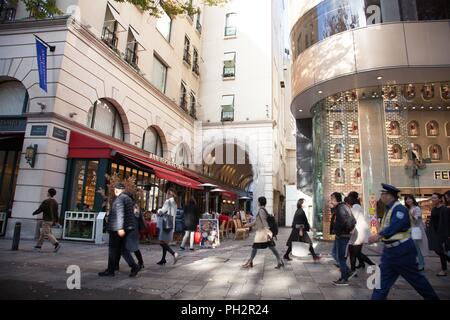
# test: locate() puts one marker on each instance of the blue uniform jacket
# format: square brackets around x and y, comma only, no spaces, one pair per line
[400,221]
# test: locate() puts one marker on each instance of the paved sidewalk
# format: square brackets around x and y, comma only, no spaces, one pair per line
[202,274]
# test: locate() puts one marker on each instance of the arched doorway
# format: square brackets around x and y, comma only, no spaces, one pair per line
[229,164]
[13,104]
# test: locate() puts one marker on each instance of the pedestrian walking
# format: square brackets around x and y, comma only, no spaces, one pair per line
[299,233]
[166,223]
[438,231]
[399,253]
[359,236]
[263,236]
[123,234]
[49,210]
[418,232]
[191,217]
[343,225]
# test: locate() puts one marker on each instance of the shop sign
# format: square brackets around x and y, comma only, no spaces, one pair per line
[13,124]
[59,133]
[442,175]
[38,130]
[165,161]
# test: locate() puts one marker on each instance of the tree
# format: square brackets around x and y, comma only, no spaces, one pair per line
[48,8]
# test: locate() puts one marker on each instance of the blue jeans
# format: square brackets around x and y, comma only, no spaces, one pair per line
[334,252]
[420,259]
[341,246]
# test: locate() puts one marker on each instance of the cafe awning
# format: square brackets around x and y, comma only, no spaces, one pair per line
[85,147]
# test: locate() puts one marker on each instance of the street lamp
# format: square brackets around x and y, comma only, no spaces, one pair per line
[30,154]
[208,187]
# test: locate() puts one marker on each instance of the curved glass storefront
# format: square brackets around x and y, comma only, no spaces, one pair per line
[335,16]
[389,134]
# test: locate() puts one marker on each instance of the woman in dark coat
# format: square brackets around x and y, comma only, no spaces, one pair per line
[300,228]
[438,231]
[191,214]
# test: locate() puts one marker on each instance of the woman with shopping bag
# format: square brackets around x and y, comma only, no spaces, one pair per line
[166,223]
[299,233]
[418,233]
[263,236]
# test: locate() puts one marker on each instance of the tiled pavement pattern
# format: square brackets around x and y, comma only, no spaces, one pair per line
[202,274]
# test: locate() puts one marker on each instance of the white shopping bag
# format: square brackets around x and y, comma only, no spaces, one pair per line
[300,249]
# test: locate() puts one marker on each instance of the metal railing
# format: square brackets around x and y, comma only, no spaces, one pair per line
[227,116]
[131,57]
[196,69]
[109,37]
[183,102]
[228,72]
[187,57]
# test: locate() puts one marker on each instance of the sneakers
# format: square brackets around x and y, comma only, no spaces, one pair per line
[106,273]
[192,249]
[182,248]
[175,258]
[37,248]
[441,274]
[316,259]
[57,247]
[340,283]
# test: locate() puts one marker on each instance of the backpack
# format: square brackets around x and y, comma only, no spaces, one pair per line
[349,221]
[273,226]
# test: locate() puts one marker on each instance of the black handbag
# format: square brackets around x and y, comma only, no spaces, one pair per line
[167,222]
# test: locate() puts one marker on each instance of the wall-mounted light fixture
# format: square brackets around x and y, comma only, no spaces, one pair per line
[30,154]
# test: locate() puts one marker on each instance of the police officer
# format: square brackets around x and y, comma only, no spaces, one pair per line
[399,254]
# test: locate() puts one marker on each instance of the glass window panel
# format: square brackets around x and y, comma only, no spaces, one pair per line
[164,24]
[89,191]
[121,171]
[12,98]
[228,100]
[159,75]
[104,118]
[118,129]
[77,185]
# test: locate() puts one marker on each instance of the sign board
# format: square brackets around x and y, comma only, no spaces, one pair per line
[38,130]
[13,124]
[442,175]
[59,133]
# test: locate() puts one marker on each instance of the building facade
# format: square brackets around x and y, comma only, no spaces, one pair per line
[370,87]
[130,93]
[244,95]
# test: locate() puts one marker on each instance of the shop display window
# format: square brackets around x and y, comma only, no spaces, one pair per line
[445,91]
[339,151]
[428,92]
[432,129]
[83,185]
[413,129]
[357,175]
[410,92]
[397,152]
[337,128]
[435,152]
[339,176]
[394,128]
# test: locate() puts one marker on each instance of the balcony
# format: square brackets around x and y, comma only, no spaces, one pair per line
[7,14]
[228,72]
[109,37]
[193,112]
[187,57]
[183,103]
[196,69]
[132,58]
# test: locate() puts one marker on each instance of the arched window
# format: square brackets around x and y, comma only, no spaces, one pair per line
[13,98]
[435,152]
[432,128]
[413,129]
[104,118]
[152,142]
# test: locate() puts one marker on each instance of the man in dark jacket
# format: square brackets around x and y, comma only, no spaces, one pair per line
[299,233]
[49,208]
[122,225]
[340,229]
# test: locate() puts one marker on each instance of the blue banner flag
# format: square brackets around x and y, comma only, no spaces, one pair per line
[41,50]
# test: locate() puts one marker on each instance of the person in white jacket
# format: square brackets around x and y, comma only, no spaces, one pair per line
[360,234]
[165,236]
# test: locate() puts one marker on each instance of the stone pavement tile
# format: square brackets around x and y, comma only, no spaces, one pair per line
[344,293]
[161,285]
[295,294]
[403,294]
[278,293]
[192,288]
[361,293]
[235,290]
[312,296]
[309,287]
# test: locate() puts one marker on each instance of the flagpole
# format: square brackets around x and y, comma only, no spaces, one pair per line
[52,48]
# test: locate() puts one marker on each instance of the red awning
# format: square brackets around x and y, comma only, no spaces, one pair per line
[169,175]
[85,147]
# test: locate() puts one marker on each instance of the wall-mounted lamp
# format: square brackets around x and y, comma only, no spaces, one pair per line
[42,105]
[30,154]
